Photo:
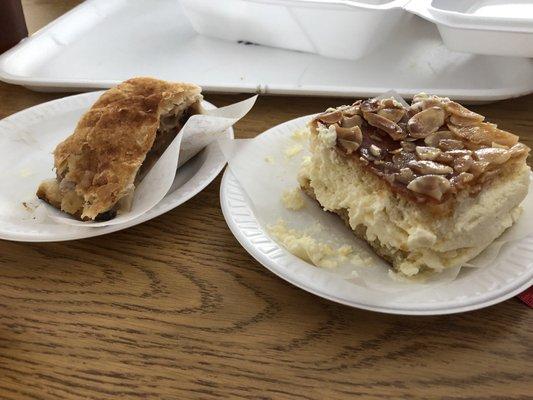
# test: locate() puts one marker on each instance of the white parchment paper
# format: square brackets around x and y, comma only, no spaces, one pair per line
[198,132]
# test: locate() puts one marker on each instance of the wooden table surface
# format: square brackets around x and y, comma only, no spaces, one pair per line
[176,309]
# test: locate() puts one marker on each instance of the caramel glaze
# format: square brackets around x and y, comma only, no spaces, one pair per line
[387,164]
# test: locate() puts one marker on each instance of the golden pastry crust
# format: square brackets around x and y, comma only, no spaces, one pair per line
[99,162]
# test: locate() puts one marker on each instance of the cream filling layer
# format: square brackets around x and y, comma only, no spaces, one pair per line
[398,224]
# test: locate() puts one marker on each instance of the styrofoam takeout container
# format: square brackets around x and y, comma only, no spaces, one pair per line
[350,29]
[338,29]
[493,27]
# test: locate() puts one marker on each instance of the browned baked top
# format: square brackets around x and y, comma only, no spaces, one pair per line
[428,151]
[98,163]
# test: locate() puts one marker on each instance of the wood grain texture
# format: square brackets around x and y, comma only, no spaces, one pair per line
[176,309]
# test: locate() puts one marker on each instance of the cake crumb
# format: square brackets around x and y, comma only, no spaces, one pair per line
[292,151]
[300,134]
[269,159]
[362,259]
[292,199]
[345,250]
[303,246]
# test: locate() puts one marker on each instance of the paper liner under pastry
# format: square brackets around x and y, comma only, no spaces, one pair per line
[199,131]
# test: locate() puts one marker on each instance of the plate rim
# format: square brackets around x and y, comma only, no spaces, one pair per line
[212,150]
[478,302]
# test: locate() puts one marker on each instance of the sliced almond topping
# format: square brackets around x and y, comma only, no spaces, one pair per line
[462,163]
[445,158]
[350,122]
[492,155]
[478,167]
[462,179]
[375,150]
[401,160]
[330,117]
[431,185]
[392,114]
[420,96]
[348,145]
[462,121]
[370,105]
[408,146]
[484,134]
[429,167]
[450,144]
[427,153]
[393,130]
[354,133]
[434,139]
[426,122]
[391,102]
[405,176]
[458,153]
[457,110]
[519,149]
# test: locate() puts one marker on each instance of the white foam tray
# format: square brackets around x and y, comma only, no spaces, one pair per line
[101,43]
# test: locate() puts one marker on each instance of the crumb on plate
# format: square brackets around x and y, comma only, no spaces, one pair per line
[293,199]
[293,150]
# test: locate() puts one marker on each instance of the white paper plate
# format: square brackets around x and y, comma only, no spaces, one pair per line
[101,43]
[38,130]
[510,274]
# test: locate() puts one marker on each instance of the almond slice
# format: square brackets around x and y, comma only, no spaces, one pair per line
[429,167]
[391,128]
[492,155]
[426,122]
[330,117]
[427,153]
[392,114]
[431,185]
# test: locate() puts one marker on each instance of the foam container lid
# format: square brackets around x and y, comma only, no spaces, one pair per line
[327,27]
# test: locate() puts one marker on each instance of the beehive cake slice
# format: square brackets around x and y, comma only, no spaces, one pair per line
[428,186]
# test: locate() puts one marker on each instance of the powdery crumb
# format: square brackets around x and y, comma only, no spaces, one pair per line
[362,259]
[292,199]
[292,151]
[345,250]
[304,246]
[269,159]
[300,134]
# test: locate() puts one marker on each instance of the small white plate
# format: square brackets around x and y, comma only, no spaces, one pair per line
[510,274]
[27,140]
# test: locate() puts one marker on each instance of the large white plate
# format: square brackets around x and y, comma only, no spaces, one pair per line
[510,274]
[102,42]
[39,130]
